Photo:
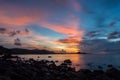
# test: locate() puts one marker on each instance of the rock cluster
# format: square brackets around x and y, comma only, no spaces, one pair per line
[47,70]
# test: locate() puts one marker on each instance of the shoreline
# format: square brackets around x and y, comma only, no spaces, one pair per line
[46,54]
[47,70]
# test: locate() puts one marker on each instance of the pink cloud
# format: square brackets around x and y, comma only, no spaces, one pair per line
[13,15]
[20,21]
[64,29]
[18,17]
[69,27]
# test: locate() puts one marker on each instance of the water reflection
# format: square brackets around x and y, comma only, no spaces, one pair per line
[75,58]
[80,60]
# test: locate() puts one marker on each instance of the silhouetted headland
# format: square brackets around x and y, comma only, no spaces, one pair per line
[26,51]
[81,53]
[3,50]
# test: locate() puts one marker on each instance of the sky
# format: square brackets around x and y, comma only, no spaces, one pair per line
[91,26]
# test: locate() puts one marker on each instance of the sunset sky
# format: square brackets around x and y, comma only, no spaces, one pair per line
[72,25]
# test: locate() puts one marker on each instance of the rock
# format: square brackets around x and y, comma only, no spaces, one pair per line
[69,62]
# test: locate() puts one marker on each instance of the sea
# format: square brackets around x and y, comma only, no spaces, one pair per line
[80,61]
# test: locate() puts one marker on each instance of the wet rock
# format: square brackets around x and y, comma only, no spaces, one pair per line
[49,56]
[47,70]
[69,62]
[4,78]
[113,73]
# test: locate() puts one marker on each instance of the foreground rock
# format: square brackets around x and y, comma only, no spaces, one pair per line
[47,70]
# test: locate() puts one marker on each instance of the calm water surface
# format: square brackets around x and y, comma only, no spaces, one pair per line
[81,60]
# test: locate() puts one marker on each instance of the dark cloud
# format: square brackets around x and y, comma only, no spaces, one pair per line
[2,30]
[99,46]
[112,23]
[12,32]
[18,31]
[93,34]
[114,35]
[118,42]
[17,42]
[26,30]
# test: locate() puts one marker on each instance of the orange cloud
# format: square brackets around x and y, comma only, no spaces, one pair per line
[71,44]
[69,28]
[69,40]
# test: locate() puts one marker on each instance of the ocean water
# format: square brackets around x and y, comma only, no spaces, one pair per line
[80,61]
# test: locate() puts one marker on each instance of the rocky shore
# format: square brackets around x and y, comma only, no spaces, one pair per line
[47,70]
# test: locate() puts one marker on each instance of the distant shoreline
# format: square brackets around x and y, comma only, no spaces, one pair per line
[41,54]
[34,51]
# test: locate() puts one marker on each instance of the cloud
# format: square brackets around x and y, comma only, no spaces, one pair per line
[96,34]
[7,32]
[70,26]
[70,43]
[93,34]
[2,30]
[26,30]
[18,21]
[24,13]
[13,33]
[64,29]
[112,23]
[17,42]
[69,40]
[99,46]
[114,35]
[35,42]
[13,14]
[17,16]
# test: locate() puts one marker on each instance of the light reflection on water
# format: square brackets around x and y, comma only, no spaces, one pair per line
[81,60]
